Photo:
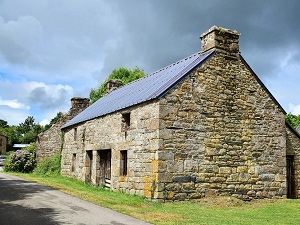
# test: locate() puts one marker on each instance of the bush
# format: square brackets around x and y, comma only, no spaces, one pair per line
[49,165]
[20,161]
[31,148]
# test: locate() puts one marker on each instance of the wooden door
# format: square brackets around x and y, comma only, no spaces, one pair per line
[105,165]
[89,164]
[290,176]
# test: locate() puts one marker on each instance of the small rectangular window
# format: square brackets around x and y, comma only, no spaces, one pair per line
[123,165]
[73,162]
[75,134]
[125,121]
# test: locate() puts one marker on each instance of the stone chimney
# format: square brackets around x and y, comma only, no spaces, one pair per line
[79,104]
[224,41]
[112,85]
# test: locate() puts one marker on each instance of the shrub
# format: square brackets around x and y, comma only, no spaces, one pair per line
[31,148]
[20,161]
[49,165]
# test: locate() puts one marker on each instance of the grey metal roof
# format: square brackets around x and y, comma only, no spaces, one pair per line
[152,86]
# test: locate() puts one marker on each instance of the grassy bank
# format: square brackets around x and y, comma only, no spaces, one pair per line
[221,210]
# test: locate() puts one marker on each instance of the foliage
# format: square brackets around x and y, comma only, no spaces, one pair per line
[122,74]
[54,120]
[28,130]
[20,161]
[49,165]
[293,120]
[12,136]
[32,147]
[3,123]
[24,133]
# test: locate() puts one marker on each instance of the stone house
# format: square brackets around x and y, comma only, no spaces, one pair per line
[49,142]
[205,125]
[3,144]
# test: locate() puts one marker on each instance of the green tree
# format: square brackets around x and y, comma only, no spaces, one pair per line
[293,120]
[122,74]
[12,136]
[3,123]
[28,130]
[54,120]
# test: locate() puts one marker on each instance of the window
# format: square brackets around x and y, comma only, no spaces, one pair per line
[75,134]
[123,166]
[125,121]
[73,168]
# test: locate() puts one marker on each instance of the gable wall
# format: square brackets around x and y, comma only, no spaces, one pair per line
[3,144]
[222,134]
[105,133]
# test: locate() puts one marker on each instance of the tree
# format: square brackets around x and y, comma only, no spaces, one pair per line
[54,120]
[28,130]
[122,74]
[3,123]
[293,120]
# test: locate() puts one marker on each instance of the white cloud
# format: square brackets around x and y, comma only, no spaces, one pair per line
[13,116]
[294,109]
[44,122]
[14,104]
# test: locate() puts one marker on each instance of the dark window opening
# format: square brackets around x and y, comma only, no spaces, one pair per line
[125,121]
[73,162]
[123,165]
[75,134]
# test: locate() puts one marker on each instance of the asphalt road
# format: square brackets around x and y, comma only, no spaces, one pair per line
[24,202]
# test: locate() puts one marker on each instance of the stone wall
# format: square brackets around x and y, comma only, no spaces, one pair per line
[106,133]
[3,144]
[222,135]
[293,149]
[49,142]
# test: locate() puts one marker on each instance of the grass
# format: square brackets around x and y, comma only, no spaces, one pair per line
[213,210]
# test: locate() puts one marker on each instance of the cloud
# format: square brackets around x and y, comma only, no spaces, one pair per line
[49,96]
[13,104]
[51,50]
[294,109]
[13,116]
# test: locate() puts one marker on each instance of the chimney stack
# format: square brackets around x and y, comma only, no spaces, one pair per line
[223,40]
[112,85]
[79,103]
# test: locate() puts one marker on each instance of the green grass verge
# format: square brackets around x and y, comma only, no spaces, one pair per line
[218,210]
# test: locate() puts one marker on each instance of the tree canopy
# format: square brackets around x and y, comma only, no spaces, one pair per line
[24,133]
[293,120]
[122,74]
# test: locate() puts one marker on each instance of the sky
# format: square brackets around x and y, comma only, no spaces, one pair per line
[53,50]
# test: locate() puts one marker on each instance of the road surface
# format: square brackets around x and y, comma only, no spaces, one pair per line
[24,202]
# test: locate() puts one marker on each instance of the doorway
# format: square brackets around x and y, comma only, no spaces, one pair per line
[105,167]
[290,176]
[89,165]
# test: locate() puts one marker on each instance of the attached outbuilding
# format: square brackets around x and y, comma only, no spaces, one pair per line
[205,125]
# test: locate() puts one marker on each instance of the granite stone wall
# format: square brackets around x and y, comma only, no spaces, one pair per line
[49,142]
[106,133]
[222,135]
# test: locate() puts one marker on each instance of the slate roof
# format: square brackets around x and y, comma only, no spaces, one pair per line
[150,87]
